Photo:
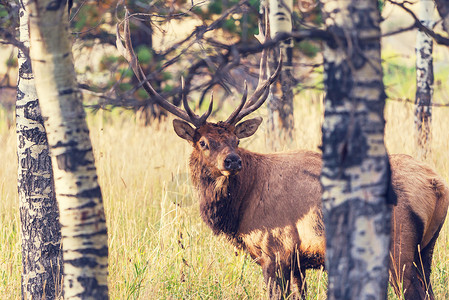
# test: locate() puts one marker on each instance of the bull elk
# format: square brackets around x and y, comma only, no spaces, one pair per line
[270,204]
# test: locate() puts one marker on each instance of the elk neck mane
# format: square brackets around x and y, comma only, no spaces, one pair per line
[221,197]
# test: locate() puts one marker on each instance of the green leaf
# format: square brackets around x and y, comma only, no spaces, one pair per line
[308,48]
[168,88]
[124,87]
[230,25]
[215,7]
[144,54]
[11,62]
[166,76]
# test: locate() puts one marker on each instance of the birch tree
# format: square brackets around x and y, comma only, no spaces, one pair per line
[424,81]
[83,227]
[280,104]
[355,174]
[39,215]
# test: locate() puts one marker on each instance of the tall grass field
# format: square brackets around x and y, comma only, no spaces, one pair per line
[159,246]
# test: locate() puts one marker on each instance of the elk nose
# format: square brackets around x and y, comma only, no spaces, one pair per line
[233,163]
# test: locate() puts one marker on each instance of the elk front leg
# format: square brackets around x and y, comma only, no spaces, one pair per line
[280,281]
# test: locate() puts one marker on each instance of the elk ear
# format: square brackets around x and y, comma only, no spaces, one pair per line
[183,130]
[247,128]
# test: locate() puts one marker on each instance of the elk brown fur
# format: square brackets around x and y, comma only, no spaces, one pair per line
[271,207]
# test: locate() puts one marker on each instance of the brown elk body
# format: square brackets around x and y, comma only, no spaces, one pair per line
[271,207]
[270,204]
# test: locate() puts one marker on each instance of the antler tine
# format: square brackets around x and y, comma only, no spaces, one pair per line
[236,112]
[195,119]
[187,108]
[206,115]
[260,94]
[128,53]
[262,74]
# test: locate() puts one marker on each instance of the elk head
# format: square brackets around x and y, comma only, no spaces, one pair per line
[215,143]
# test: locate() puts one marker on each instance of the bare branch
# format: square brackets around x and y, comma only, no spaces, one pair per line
[437,37]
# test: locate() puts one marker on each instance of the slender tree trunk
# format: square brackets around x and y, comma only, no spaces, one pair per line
[280,104]
[355,175]
[39,215]
[83,226]
[424,82]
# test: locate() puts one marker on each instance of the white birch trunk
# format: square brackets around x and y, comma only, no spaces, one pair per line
[424,82]
[280,104]
[355,175]
[39,215]
[83,226]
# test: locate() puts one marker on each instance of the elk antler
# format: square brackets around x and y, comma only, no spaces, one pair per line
[127,52]
[261,93]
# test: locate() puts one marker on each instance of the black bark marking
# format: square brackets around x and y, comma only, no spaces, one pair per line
[89,235]
[92,288]
[91,193]
[102,252]
[339,83]
[82,262]
[32,111]
[20,96]
[35,135]
[72,159]
[25,71]
[66,92]
[89,204]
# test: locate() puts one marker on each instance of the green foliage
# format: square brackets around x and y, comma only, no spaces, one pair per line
[3,12]
[166,76]
[144,54]
[127,72]
[108,61]
[125,86]
[230,25]
[141,93]
[168,88]
[308,48]
[88,18]
[215,7]
[11,62]
[242,24]
[399,75]
[8,18]
[381,5]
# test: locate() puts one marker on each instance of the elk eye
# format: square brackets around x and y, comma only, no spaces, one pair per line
[203,144]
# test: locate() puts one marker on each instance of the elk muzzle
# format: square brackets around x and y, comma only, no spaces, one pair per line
[232,164]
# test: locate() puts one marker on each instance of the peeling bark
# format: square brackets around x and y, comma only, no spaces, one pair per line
[83,226]
[39,215]
[424,82]
[280,102]
[356,174]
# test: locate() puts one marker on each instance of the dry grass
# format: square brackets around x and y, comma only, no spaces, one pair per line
[159,247]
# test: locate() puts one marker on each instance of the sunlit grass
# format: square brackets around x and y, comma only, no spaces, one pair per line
[159,246]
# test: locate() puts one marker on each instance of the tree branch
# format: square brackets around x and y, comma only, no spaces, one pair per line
[437,37]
